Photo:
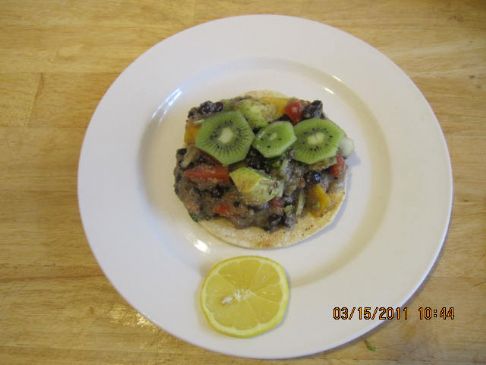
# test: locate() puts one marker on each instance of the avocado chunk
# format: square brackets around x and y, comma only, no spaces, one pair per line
[257,114]
[256,187]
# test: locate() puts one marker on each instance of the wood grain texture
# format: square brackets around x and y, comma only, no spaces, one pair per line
[57,58]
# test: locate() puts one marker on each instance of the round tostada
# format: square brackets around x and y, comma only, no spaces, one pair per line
[262,170]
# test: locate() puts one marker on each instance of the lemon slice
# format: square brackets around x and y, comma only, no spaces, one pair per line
[245,296]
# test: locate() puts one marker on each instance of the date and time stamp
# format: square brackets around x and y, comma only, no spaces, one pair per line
[391,313]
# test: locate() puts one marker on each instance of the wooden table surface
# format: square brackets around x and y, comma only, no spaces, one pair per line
[57,58]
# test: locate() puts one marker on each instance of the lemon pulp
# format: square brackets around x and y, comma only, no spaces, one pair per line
[245,296]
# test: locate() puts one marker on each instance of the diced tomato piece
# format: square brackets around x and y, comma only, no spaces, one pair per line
[294,110]
[223,209]
[207,172]
[337,169]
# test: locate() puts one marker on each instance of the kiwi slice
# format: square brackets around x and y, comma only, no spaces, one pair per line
[274,139]
[226,136]
[317,139]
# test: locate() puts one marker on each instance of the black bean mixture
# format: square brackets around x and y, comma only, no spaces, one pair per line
[214,195]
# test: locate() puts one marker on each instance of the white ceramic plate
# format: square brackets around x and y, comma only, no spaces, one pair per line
[382,244]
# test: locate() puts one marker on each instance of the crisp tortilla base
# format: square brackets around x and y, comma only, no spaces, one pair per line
[255,237]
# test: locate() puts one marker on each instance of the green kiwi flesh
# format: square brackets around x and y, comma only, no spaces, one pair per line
[226,136]
[275,139]
[317,139]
